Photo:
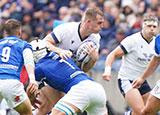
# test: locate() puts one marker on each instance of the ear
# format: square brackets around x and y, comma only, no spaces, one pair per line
[19,33]
[89,21]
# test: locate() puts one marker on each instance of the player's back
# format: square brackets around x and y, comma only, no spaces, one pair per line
[11,57]
[60,74]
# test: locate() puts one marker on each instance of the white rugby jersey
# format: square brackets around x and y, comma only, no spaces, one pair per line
[67,36]
[139,53]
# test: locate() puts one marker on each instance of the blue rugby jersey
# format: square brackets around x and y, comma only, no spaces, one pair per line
[157,45]
[59,74]
[11,57]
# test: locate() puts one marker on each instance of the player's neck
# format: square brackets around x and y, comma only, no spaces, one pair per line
[149,39]
[84,31]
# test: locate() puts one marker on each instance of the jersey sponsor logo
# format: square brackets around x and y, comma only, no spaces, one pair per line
[9,41]
[13,41]
[147,57]
[75,74]
[8,66]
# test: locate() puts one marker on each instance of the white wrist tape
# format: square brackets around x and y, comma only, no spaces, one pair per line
[31,76]
[107,70]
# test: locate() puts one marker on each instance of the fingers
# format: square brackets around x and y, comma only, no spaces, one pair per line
[90,49]
[33,87]
[36,103]
[65,54]
[135,84]
[106,77]
[107,73]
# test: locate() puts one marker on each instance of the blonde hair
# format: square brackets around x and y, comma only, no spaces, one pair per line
[12,26]
[150,17]
[91,13]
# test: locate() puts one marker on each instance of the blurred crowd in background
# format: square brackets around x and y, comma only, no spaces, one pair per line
[121,18]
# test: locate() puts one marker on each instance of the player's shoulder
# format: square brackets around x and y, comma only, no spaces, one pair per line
[69,27]
[69,24]
[157,37]
[134,37]
[95,36]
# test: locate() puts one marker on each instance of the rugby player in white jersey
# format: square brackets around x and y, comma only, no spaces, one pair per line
[153,102]
[136,51]
[65,40]
[67,37]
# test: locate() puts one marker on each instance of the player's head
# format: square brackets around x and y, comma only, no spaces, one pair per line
[91,13]
[13,27]
[40,49]
[94,18]
[150,25]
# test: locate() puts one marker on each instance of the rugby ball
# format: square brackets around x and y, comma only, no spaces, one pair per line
[81,54]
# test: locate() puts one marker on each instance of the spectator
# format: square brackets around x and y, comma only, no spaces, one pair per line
[107,32]
[27,33]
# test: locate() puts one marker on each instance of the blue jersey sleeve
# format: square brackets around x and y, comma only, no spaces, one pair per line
[26,45]
[157,45]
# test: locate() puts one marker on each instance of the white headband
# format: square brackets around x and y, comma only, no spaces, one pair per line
[150,23]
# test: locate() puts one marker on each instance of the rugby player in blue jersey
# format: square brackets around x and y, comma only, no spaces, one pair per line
[15,52]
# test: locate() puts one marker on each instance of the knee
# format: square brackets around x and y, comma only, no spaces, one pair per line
[137,111]
[148,112]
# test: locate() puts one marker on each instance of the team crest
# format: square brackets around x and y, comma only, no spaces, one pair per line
[17,99]
[156,90]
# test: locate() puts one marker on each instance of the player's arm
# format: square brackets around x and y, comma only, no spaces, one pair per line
[29,64]
[150,69]
[64,54]
[118,52]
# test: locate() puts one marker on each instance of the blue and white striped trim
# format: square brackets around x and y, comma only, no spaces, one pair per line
[68,110]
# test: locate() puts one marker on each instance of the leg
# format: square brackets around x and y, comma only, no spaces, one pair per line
[145,97]
[135,101]
[78,99]
[16,97]
[49,97]
[24,108]
[152,106]
[64,108]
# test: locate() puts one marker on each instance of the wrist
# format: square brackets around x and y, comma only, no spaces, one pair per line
[107,70]
[31,76]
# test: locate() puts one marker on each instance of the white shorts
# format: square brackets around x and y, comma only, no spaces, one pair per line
[87,95]
[12,91]
[125,85]
[156,90]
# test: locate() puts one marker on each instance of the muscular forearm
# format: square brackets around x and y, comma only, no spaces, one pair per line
[89,65]
[151,67]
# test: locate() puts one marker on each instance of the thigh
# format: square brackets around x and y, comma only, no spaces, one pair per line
[145,97]
[24,108]
[49,97]
[13,92]
[132,95]
[152,106]
[134,99]
[52,94]
[83,96]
